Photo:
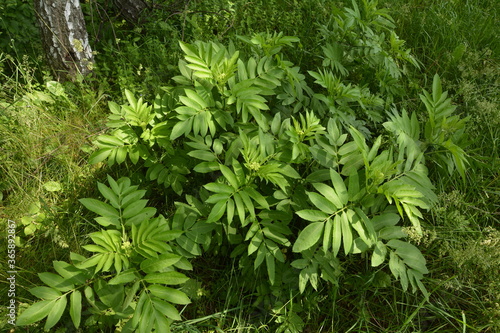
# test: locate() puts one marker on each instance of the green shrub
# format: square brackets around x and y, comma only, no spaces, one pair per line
[296,181]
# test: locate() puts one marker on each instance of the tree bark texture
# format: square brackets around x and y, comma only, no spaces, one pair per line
[130,10]
[65,37]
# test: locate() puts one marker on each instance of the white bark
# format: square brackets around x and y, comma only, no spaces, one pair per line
[65,37]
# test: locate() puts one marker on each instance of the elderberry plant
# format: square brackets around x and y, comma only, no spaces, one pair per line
[290,179]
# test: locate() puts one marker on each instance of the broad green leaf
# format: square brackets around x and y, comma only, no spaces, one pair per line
[55,281]
[340,188]
[398,269]
[256,241]
[248,202]
[147,319]
[359,246]
[99,207]
[276,235]
[330,194]
[118,262]
[374,150]
[308,237]
[106,221]
[370,235]
[271,267]
[45,293]
[190,102]
[166,278]
[70,272]
[203,155]
[257,197]
[121,154]
[261,255]
[159,264]
[360,140]
[169,294]
[346,233]
[161,321]
[134,209]
[90,296]
[327,235]
[189,245]
[182,127]
[230,210]
[354,190]
[230,176]
[379,254]
[103,259]
[436,88]
[56,312]
[321,202]
[75,310]
[130,294]
[138,313]
[154,171]
[35,312]
[95,248]
[132,197]
[312,215]
[218,197]
[410,254]
[385,220]
[300,263]
[240,207]
[90,262]
[123,277]
[109,141]
[111,296]
[336,235]
[166,309]
[131,98]
[276,124]
[99,155]
[417,277]
[142,216]
[217,211]
[219,188]
[205,167]
[289,171]
[318,176]
[388,233]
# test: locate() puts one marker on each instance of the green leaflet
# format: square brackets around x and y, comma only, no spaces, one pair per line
[75,309]
[309,236]
[169,294]
[35,312]
[55,313]
[409,253]
[379,254]
[159,264]
[171,278]
[45,292]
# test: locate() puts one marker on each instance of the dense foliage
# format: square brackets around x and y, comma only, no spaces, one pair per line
[304,167]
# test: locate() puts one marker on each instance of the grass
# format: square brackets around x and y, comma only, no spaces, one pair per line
[43,171]
[458,39]
[43,131]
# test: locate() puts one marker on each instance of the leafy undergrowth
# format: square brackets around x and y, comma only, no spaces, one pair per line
[266,182]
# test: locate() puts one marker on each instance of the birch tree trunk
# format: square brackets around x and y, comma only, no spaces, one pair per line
[131,10]
[64,37]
